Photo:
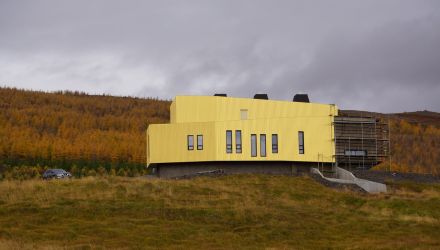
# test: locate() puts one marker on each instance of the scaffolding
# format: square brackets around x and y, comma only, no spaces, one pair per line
[361,139]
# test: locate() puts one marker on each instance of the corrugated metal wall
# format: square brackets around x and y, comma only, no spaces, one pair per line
[213,108]
[212,116]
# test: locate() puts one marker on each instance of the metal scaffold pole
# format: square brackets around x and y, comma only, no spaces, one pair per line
[375,137]
[362,140]
[349,155]
[389,140]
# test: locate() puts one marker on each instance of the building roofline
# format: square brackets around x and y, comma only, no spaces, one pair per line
[257,100]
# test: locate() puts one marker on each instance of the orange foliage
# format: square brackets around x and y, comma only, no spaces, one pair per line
[38,127]
[415,147]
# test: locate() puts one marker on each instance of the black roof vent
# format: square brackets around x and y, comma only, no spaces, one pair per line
[224,95]
[301,98]
[261,96]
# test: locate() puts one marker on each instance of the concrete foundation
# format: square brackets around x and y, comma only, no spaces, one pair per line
[173,170]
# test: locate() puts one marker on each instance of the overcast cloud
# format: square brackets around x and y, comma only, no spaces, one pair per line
[373,55]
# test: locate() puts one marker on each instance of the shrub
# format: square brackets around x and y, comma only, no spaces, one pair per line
[83,172]
[74,170]
[121,172]
[102,171]
[112,172]
[91,172]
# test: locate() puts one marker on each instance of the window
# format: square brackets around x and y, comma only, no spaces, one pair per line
[263,145]
[301,142]
[190,142]
[244,114]
[274,143]
[253,145]
[199,142]
[228,141]
[238,141]
[356,152]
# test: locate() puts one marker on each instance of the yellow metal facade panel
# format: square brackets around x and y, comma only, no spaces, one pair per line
[213,108]
[168,142]
[318,139]
[198,109]
[212,116]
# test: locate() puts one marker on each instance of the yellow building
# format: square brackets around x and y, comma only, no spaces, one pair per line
[240,135]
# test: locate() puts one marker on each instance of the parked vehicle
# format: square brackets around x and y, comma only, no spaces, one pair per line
[56,174]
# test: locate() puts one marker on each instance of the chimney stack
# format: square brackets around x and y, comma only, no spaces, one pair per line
[301,98]
[261,96]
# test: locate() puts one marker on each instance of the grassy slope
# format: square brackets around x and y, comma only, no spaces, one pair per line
[227,212]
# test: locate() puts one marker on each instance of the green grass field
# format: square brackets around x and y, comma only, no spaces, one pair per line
[230,212]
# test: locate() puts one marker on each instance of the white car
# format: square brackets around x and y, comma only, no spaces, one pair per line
[56,174]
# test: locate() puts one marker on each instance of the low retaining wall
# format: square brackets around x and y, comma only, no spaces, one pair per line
[369,186]
[345,176]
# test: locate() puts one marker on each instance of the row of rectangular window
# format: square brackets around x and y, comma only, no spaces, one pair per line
[190,142]
[263,145]
[274,144]
[238,143]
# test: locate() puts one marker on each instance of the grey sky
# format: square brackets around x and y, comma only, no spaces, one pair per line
[374,55]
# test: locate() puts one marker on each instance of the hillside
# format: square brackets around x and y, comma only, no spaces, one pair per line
[229,212]
[415,143]
[71,128]
[92,135]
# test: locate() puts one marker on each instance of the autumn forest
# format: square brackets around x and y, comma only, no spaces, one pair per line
[68,130]
[99,134]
